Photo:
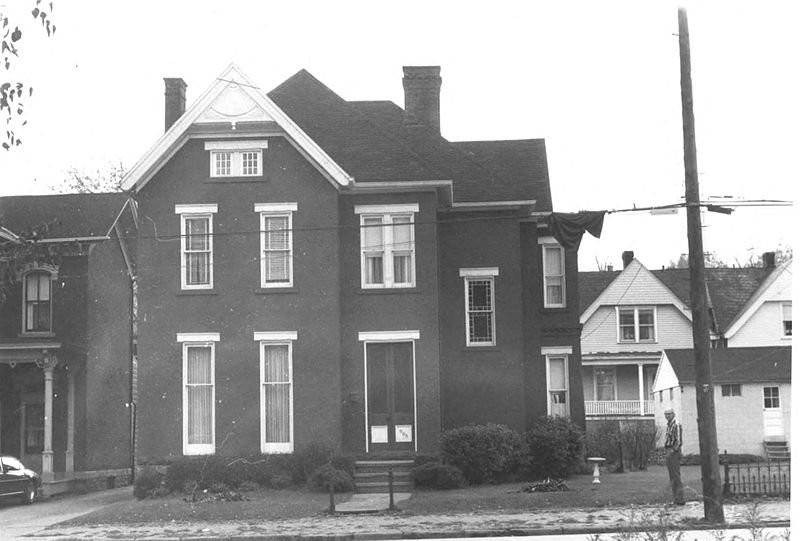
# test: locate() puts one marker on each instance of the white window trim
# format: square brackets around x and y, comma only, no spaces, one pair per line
[594,381]
[282,447]
[556,350]
[545,246]
[637,339]
[197,448]
[53,276]
[386,213]
[286,210]
[197,337]
[236,149]
[192,212]
[783,319]
[475,274]
[547,359]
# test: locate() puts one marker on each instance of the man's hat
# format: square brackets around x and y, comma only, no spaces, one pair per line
[669,410]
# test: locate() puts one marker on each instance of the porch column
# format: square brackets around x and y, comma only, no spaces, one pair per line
[70,454]
[641,389]
[48,364]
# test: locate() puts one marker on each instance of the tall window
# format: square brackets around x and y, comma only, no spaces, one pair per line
[479,303]
[34,428]
[197,245]
[236,158]
[277,393]
[276,244]
[198,396]
[37,302]
[554,277]
[786,309]
[557,386]
[387,245]
[636,324]
[605,383]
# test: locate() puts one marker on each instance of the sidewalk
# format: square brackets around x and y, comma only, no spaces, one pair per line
[386,525]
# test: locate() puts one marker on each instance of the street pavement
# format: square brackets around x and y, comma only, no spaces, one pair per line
[384,525]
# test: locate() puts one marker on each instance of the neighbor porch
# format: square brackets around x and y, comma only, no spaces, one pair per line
[615,387]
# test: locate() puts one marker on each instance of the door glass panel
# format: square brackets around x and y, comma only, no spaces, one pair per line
[377,355]
[403,378]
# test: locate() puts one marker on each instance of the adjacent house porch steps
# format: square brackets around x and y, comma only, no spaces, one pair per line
[777,451]
[372,476]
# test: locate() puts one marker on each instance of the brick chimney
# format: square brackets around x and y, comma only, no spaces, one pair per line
[768,260]
[421,85]
[627,257]
[174,100]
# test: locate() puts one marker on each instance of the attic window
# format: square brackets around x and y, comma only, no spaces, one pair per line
[236,158]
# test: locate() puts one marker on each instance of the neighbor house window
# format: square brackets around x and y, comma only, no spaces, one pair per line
[276,243]
[38,309]
[479,305]
[554,276]
[605,383]
[636,324]
[772,398]
[557,386]
[733,389]
[236,158]
[33,415]
[198,392]
[787,318]
[387,245]
[197,245]
[276,391]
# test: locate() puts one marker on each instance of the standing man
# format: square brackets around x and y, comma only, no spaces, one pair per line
[672,444]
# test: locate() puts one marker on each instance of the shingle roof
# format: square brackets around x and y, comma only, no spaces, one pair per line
[369,140]
[736,365]
[62,216]
[729,288]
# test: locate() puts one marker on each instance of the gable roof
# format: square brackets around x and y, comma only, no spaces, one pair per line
[729,289]
[363,142]
[63,216]
[769,284]
[736,365]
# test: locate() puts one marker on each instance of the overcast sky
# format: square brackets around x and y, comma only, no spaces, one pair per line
[599,81]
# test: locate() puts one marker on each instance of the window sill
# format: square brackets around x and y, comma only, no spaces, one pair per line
[276,290]
[388,290]
[552,309]
[37,335]
[224,180]
[189,292]
[481,349]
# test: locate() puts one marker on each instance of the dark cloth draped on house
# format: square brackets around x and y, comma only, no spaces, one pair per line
[568,227]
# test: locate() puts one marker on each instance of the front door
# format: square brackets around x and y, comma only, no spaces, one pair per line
[390,396]
[773,413]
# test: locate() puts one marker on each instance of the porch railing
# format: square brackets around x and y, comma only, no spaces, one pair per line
[618,407]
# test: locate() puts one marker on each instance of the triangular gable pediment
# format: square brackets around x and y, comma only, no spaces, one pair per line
[231,98]
[666,378]
[636,286]
[777,287]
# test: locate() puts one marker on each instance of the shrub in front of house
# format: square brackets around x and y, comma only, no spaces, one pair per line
[438,476]
[603,439]
[484,453]
[638,443]
[328,476]
[148,484]
[555,448]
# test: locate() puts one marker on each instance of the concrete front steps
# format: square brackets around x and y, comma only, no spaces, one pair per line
[372,475]
[777,451]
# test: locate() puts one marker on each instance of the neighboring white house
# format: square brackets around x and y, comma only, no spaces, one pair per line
[630,317]
[752,397]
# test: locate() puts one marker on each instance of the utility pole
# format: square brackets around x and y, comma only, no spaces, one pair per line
[704,388]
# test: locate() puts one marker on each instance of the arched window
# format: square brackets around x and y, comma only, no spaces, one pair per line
[37,302]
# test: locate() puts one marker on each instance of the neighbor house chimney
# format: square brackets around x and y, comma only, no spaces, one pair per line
[421,85]
[627,257]
[174,100]
[768,259]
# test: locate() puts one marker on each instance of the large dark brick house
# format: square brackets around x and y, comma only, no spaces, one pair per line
[316,270]
[66,336]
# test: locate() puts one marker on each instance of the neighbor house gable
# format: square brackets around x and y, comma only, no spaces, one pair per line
[635,286]
[665,375]
[232,98]
[776,287]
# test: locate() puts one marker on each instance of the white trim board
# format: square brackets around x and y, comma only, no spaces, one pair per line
[387,336]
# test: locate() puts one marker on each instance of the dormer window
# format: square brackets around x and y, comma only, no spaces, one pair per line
[236,158]
[37,302]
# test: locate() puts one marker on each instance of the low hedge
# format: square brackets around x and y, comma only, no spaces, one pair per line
[437,476]
[484,453]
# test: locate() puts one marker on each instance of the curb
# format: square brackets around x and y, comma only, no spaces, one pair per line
[464,534]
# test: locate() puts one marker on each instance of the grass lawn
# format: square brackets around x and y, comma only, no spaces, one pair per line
[646,487]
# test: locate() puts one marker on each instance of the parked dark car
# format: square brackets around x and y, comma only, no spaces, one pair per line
[17,480]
